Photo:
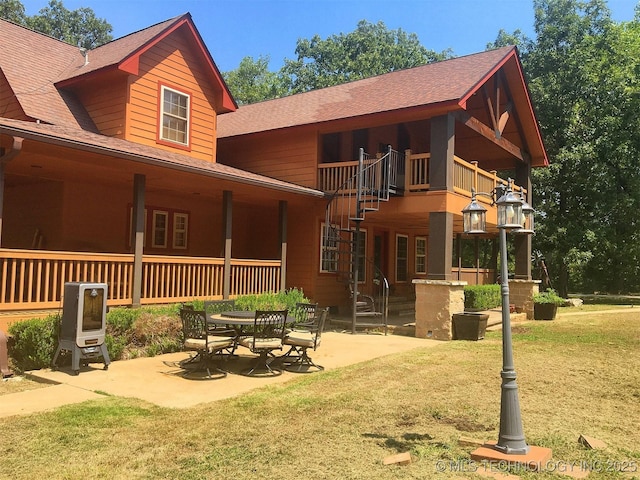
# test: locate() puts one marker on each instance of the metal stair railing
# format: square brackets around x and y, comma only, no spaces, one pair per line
[374,182]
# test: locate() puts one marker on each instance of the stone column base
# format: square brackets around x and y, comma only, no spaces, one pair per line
[436,302]
[521,294]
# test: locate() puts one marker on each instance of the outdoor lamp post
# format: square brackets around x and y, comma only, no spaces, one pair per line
[516,215]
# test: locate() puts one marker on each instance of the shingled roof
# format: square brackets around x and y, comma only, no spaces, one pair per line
[115,147]
[447,82]
[32,63]
[37,66]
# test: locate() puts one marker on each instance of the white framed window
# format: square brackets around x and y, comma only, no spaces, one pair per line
[328,249]
[180,228]
[159,229]
[175,110]
[421,255]
[402,257]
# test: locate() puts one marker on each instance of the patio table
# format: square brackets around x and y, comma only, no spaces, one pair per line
[239,320]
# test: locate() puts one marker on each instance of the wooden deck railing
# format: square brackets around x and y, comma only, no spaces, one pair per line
[34,279]
[473,276]
[466,175]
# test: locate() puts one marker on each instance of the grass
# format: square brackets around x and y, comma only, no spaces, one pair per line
[576,375]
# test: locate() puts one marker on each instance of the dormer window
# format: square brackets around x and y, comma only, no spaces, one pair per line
[175,115]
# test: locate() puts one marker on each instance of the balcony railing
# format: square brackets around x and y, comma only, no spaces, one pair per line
[34,279]
[466,175]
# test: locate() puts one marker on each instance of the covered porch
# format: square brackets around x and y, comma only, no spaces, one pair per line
[156,227]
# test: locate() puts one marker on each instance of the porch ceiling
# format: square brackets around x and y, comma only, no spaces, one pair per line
[50,154]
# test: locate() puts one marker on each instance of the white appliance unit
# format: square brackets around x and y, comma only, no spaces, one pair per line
[82,331]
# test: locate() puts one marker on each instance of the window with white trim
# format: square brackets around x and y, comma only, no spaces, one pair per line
[165,224]
[159,229]
[328,249]
[421,255]
[180,227]
[174,116]
[402,257]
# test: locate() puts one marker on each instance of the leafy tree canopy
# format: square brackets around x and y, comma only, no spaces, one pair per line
[78,27]
[584,77]
[253,82]
[371,49]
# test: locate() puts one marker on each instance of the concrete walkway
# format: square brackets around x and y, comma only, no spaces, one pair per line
[158,381]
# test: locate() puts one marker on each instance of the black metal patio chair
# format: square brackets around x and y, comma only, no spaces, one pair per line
[267,336]
[212,307]
[301,339]
[196,338]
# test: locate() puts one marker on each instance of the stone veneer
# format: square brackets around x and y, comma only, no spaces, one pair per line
[436,302]
[521,294]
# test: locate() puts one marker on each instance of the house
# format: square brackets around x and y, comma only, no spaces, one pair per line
[438,130]
[131,164]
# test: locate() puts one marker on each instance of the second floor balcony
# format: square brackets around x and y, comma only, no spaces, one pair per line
[414,175]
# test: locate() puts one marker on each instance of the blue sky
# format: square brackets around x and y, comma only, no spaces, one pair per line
[233,29]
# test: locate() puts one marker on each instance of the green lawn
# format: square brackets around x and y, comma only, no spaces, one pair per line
[577,375]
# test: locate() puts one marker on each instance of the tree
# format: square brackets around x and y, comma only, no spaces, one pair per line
[583,73]
[371,49]
[78,27]
[13,11]
[516,38]
[253,82]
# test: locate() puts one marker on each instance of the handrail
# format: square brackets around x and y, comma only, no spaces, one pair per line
[335,176]
[34,279]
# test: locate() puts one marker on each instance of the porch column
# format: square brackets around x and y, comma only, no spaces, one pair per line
[139,182]
[522,243]
[440,251]
[521,294]
[283,244]
[227,218]
[442,148]
[436,303]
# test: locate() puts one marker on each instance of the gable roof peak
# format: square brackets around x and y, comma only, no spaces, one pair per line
[163,24]
[447,82]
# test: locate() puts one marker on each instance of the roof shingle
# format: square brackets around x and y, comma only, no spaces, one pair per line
[435,83]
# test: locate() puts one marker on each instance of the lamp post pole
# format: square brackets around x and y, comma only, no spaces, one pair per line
[511,437]
[513,214]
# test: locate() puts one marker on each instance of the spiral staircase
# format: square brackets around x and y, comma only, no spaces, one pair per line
[375,182]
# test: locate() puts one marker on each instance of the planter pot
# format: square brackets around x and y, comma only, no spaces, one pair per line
[469,325]
[544,311]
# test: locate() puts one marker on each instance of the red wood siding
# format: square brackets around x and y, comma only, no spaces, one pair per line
[106,102]
[288,157]
[175,63]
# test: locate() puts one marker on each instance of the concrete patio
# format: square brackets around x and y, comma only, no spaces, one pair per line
[157,381]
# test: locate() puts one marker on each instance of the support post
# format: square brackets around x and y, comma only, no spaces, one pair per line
[442,148]
[440,251]
[139,186]
[522,243]
[227,220]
